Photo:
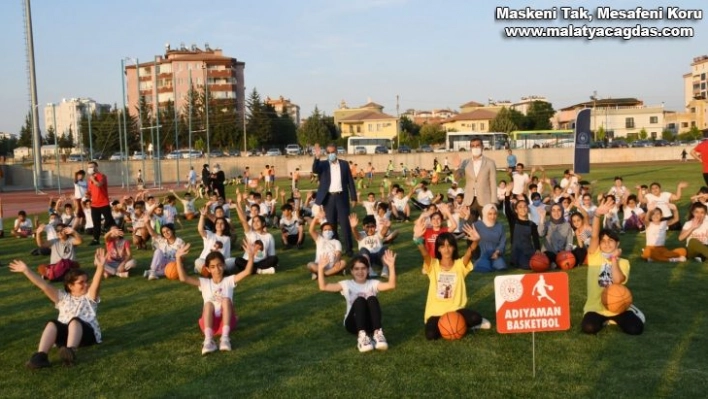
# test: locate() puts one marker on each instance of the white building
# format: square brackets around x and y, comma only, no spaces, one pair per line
[68,116]
[525,103]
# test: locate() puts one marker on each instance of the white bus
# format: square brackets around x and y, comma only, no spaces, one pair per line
[460,141]
[357,145]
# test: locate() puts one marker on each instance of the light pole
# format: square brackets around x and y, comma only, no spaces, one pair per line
[56,147]
[125,122]
[89,130]
[594,111]
[245,147]
[140,117]
[174,103]
[206,100]
[189,154]
[156,143]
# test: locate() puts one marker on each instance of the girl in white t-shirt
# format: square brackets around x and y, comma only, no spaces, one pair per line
[214,241]
[327,247]
[695,232]
[656,229]
[166,245]
[218,314]
[77,303]
[363,314]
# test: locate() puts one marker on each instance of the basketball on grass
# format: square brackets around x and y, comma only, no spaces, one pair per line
[539,262]
[617,298]
[565,260]
[171,271]
[452,326]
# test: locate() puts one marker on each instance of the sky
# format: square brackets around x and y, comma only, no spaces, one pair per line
[320,52]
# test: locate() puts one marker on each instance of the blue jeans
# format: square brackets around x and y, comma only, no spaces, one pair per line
[485,263]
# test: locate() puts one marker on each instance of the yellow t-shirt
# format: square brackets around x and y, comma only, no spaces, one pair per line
[447,291]
[599,277]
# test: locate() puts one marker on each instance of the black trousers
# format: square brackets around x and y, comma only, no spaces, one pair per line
[337,210]
[629,322]
[269,261]
[472,318]
[96,213]
[365,314]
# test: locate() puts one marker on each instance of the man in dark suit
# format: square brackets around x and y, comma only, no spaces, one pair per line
[335,190]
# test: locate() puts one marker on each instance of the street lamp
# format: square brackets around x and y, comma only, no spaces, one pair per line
[206,100]
[125,121]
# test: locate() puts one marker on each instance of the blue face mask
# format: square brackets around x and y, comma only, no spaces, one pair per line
[536,202]
[332,156]
[328,234]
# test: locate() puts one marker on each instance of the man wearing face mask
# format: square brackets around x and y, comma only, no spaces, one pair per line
[100,204]
[336,189]
[480,173]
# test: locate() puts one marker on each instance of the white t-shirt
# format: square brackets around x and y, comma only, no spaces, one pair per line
[209,242]
[351,290]
[80,188]
[188,206]
[370,207]
[425,197]
[70,306]
[266,239]
[61,250]
[290,225]
[168,213]
[335,173]
[25,226]
[521,180]
[327,247]
[662,202]
[373,243]
[700,234]
[169,251]
[215,292]
[400,203]
[656,234]
[627,213]
[453,192]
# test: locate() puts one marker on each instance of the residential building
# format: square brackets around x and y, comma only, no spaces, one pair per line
[282,105]
[68,114]
[7,136]
[618,117]
[477,120]
[169,77]
[494,106]
[369,120]
[421,117]
[695,92]
[525,103]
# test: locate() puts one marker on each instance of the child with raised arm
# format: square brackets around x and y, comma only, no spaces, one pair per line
[656,228]
[218,315]
[363,314]
[605,267]
[447,291]
[327,247]
[77,303]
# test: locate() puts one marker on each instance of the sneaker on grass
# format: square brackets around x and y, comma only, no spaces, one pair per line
[270,270]
[380,340]
[225,344]
[39,360]
[209,347]
[484,325]
[363,342]
[67,355]
[637,312]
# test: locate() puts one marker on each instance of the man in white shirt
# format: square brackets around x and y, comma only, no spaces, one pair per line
[520,180]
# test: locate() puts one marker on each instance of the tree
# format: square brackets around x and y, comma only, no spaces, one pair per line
[643,134]
[25,139]
[50,137]
[539,116]
[286,128]
[668,135]
[503,122]
[408,126]
[66,142]
[260,120]
[432,133]
[313,130]
[600,134]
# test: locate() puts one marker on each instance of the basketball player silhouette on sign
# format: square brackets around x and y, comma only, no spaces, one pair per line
[540,289]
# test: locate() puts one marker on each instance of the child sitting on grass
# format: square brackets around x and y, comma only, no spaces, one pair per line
[363,314]
[218,315]
[76,324]
[656,228]
[447,291]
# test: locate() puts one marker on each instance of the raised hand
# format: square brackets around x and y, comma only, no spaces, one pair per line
[389,259]
[418,230]
[182,251]
[353,220]
[249,248]
[18,266]
[471,232]
[316,150]
[100,257]
[605,206]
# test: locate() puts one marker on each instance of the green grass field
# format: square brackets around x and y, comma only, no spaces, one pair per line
[291,343]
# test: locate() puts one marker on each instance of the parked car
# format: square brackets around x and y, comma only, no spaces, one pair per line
[234,153]
[138,156]
[380,149]
[273,152]
[425,148]
[404,149]
[216,154]
[76,158]
[661,143]
[117,156]
[186,154]
[641,143]
[619,144]
[360,150]
[292,149]
[98,156]
[174,155]
[341,150]
[598,144]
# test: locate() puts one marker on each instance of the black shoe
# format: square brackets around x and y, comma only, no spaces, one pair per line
[39,360]
[67,355]
[94,243]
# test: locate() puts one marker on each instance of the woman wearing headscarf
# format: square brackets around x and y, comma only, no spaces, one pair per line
[492,241]
[558,233]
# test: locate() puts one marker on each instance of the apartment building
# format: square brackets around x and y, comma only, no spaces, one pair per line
[618,117]
[284,105]
[68,114]
[368,120]
[169,77]
[695,92]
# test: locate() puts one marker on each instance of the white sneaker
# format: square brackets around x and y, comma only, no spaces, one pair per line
[698,259]
[380,340]
[679,259]
[372,273]
[363,342]
[637,312]
[313,276]
[122,274]
[270,270]
[209,347]
[225,344]
[484,325]
[146,273]
[384,272]
[152,276]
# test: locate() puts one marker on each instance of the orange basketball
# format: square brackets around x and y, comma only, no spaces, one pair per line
[617,298]
[189,216]
[539,262]
[204,272]
[171,271]
[565,260]
[452,325]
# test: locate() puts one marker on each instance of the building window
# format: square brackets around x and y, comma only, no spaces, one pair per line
[481,126]
[358,129]
[371,127]
[629,123]
[693,123]
[653,119]
[474,126]
[653,135]
[672,126]
[684,124]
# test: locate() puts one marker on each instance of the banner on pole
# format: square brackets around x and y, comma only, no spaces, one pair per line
[532,302]
[583,137]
